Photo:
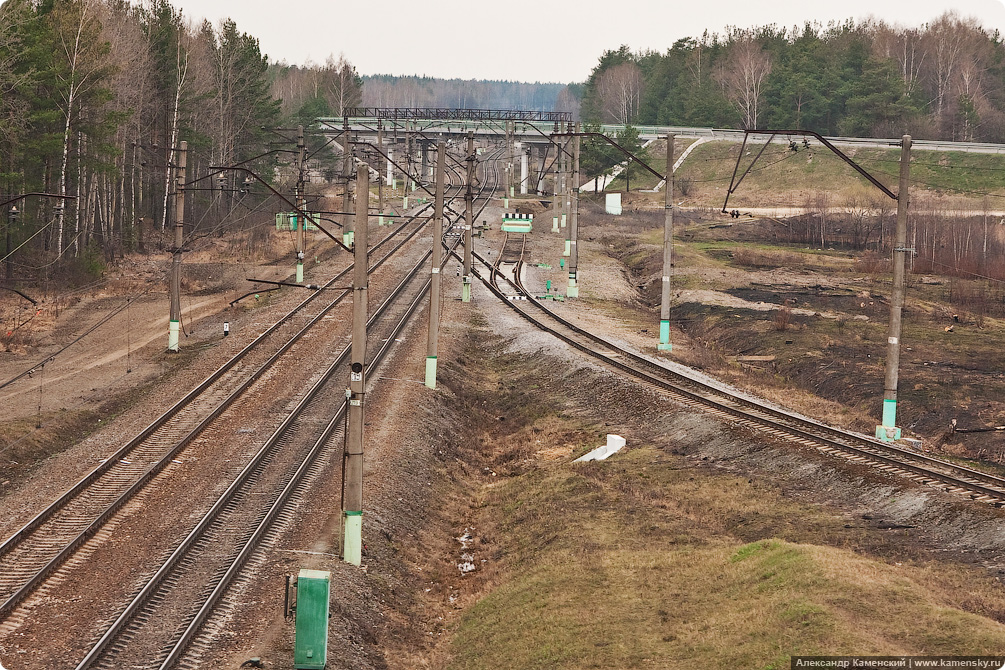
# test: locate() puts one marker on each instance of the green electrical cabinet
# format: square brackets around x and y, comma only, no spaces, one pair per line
[311,650]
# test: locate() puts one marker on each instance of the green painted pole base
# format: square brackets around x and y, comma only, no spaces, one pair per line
[466,290]
[505,203]
[431,372]
[888,432]
[554,224]
[564,216]
[404,202]
[394,184]
[352,540]
[414,186]
[512,191]
[173,328]
[568,248]
[300,273]
[573,290]
[664,344]
[380,220]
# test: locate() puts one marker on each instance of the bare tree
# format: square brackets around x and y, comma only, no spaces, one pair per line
[903,46]
[566,101]
[742,75]
[339,84]
[620,91]
[954,48]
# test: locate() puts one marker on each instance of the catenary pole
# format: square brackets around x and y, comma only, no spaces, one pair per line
[352,482]
[469,220]
[174,323]
[434,288]
[889,431]
[380,181]
[573,290]
[664,344]
[347,229]
[564,191]
[556,204]
[301,235]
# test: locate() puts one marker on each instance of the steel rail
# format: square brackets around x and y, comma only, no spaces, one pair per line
[759,414]
[252,543]
[13,600]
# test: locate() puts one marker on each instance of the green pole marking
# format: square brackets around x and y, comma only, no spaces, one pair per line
[173,328]
[889,432]
[300,273]
[431,372]
[889,412]
[352,546]
[664,336]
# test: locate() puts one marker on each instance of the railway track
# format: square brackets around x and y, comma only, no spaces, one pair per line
[240,519]
[45,543]
[739,409]
[201,551]
[176,601]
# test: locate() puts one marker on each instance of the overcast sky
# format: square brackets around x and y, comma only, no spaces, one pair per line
[527,41]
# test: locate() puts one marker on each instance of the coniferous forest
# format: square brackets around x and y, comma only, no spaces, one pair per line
[944,80]
[96,94]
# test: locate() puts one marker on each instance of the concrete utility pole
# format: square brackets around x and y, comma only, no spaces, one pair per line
[469,220]
[347,228]
[564,179]
[889,430]
[301,235]
[573,290]
[380,182]
[664,344]
[556,204]
[524,166]
[434,288]
[408,166]
[174,323]
[424,158]
[509,167]
[352,481]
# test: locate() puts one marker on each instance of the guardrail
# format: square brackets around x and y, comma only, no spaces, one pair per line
[539,130]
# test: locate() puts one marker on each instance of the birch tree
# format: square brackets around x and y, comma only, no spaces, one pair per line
[742,75]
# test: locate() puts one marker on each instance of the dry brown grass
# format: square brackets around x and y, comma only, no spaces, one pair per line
[633,562]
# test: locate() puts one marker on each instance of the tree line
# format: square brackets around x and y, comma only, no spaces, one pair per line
[95,96]
[415,91]
[944,80]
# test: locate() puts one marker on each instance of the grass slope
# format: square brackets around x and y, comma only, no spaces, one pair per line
[632,563]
